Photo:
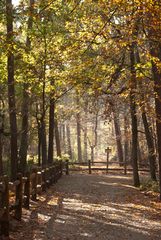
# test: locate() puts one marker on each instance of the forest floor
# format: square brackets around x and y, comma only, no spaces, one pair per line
[82,206]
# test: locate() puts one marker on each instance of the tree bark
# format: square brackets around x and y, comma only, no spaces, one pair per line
[151,149]
[39,144]
[148,134]
[1,139]
[79,147]
[85,152]
[85,144]
[11,90]
[126,145]
[134,119]
[57,139]
[92,154]
[1,153]
[63,138]
[69,140]
[43,143]
[118,138]
[51,131]
[156,52]
[25,103]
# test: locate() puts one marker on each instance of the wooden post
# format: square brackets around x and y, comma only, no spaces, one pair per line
[54,172]
[67,167]
[50,175]
[43,179]
[34,184]
[39,181]
[61,168]
[18,209]
[107,150]
[89,166]
[125,167]
[27,191]
[5,205]
[47,176]
[107,163]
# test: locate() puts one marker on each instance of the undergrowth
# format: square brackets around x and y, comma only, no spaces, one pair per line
[149,185]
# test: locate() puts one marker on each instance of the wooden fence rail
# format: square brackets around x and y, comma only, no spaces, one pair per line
[25,189]
[89,166]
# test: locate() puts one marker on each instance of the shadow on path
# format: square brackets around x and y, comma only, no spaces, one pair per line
[90,207]
[103,207]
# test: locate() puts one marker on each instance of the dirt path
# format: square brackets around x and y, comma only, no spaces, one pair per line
[93,207]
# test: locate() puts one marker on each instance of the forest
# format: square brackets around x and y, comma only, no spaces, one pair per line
[78,77]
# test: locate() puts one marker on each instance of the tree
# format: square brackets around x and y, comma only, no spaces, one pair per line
[11,89]
[25,101]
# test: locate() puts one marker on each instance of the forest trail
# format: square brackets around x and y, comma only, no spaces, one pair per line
[93,207]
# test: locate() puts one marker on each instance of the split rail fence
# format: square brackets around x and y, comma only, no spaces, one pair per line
[24,190]
[102,166]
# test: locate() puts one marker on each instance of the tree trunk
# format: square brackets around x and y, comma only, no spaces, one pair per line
[39,144]
[57,139]
[51,132]
[92,154]
[126,145]
[139,155]
[151,149]
[63,139]
[43,143]
[85,153]
[1,139]
[24,131]
[85,144]
[156,52]
[25,103]
[11,90]
[148,134]
[69,141]
[118,138]
[134,119]
[1,152]
[79,147]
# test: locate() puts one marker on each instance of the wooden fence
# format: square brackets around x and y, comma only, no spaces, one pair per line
[105,166]
[25,189]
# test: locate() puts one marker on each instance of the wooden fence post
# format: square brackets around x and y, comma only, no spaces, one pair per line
[61,168]
[107,150]
[125,167]
[107,166]
[18,209]
[39,181]
[58,170]
[47,176]
[5,206]
[27,191]
[50,175]
[67,167]
[43,180]
[54,172]
[89,166]
[34,184]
